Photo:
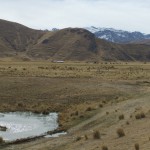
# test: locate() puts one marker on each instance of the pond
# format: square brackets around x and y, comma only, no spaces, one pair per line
[25,124]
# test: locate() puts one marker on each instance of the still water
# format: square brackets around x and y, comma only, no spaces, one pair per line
[22,125]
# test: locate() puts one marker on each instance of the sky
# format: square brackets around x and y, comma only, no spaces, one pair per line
[131,15]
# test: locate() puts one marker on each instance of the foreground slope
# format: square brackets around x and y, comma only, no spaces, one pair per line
[106,92]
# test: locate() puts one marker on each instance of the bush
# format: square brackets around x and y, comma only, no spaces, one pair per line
[104,102]
[107,113]
[121,117]
[120,132]
[20,104]
[104,148]
[1,140]
[89,109]
[76,113]
[3,128]
[143,115]
[45,112]
[78,138]
[137,147]
[86,137]
[140,116]
[100,105]
[96,135]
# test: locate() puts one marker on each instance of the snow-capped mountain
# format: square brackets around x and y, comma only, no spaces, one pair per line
[118,36]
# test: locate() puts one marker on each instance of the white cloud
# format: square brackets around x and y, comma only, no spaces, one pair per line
[128,15]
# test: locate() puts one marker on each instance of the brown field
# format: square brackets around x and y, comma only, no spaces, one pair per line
[89,97]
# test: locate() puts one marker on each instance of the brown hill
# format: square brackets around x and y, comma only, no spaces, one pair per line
[67,44]
[80,44]
[16,38]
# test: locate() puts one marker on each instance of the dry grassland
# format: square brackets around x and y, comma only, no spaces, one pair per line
[90,97]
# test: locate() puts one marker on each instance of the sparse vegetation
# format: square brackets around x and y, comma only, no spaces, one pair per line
[51,87]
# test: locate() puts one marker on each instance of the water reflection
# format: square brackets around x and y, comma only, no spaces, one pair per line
[22,125]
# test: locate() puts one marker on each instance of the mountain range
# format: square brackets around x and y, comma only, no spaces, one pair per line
[118,36]
[75,44]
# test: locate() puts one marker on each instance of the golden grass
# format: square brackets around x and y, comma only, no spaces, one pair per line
[70,87]
[105,71]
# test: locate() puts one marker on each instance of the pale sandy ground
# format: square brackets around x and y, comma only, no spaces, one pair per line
[138,131]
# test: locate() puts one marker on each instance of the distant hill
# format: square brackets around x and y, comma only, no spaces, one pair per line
[67,44]
[145,42]
[118,36]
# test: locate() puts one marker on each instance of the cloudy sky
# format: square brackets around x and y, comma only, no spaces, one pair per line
[45,14]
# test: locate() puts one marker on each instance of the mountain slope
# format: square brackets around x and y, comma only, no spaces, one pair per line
[15,37]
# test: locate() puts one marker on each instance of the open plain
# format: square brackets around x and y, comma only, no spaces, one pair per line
[89,97]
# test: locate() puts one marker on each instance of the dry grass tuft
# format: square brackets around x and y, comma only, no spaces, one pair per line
[86,137]
[107,113]
[101,105]
[104,147]
[1,140]
[137,147]
[140,115]
[96,134]
[120,132]
[121,117]
[89,109]
[78,138]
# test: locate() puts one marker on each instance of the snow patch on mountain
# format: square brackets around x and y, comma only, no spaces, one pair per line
[117,36]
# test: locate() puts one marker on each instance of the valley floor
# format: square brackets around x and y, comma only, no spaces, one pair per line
[89,97]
